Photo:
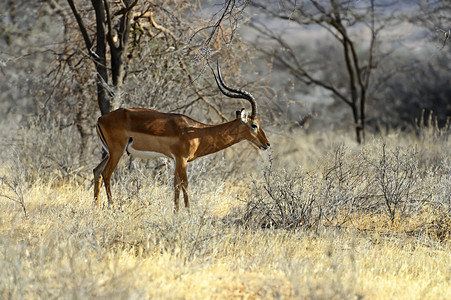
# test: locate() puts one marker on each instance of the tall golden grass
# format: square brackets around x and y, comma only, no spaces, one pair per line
[308,221]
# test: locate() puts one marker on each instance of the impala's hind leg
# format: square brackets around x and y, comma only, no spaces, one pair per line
[108,171]
[98,179]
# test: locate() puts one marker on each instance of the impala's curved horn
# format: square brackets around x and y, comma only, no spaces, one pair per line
[238,93]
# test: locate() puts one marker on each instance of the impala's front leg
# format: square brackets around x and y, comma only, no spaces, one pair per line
[180,182]
[184,183]
[176,191]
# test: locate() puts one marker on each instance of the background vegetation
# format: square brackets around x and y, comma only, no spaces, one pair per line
[319,216]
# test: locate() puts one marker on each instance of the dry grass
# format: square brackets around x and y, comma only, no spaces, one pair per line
[66,248]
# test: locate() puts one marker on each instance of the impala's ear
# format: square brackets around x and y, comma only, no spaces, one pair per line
[242,114]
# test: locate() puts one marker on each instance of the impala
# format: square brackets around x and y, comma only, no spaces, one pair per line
[147,133]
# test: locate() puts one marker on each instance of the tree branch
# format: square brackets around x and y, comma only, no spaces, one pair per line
[298,71]
[81,25]
[109,34]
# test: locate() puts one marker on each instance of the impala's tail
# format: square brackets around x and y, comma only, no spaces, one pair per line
[102,138]
[99,169]
[129,143]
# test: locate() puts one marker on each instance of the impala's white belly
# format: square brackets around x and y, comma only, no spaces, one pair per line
[146,154]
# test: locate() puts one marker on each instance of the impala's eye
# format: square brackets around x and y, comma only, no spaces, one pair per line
[254,126]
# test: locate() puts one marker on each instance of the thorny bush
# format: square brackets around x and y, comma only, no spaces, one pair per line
[375,181]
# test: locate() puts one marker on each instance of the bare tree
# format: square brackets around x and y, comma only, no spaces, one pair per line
[138,53]
[116,23]
[413,84]
[436,16]
[116,37]
[344,21]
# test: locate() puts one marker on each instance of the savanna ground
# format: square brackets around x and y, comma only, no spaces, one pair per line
[317,218]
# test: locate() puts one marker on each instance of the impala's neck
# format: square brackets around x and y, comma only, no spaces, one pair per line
[218,137]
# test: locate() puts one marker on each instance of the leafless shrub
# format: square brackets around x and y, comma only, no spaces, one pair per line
[396,175]
[15,184]
[440,225]
[367,182]
[377,179]
[347,186]
[444,198]
[50,150]
[283,200]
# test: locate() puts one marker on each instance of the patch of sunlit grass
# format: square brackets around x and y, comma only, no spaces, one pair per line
[139,248]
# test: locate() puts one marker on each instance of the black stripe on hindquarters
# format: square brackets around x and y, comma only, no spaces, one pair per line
[130,141]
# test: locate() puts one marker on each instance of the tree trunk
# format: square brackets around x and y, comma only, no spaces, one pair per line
[103,96]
